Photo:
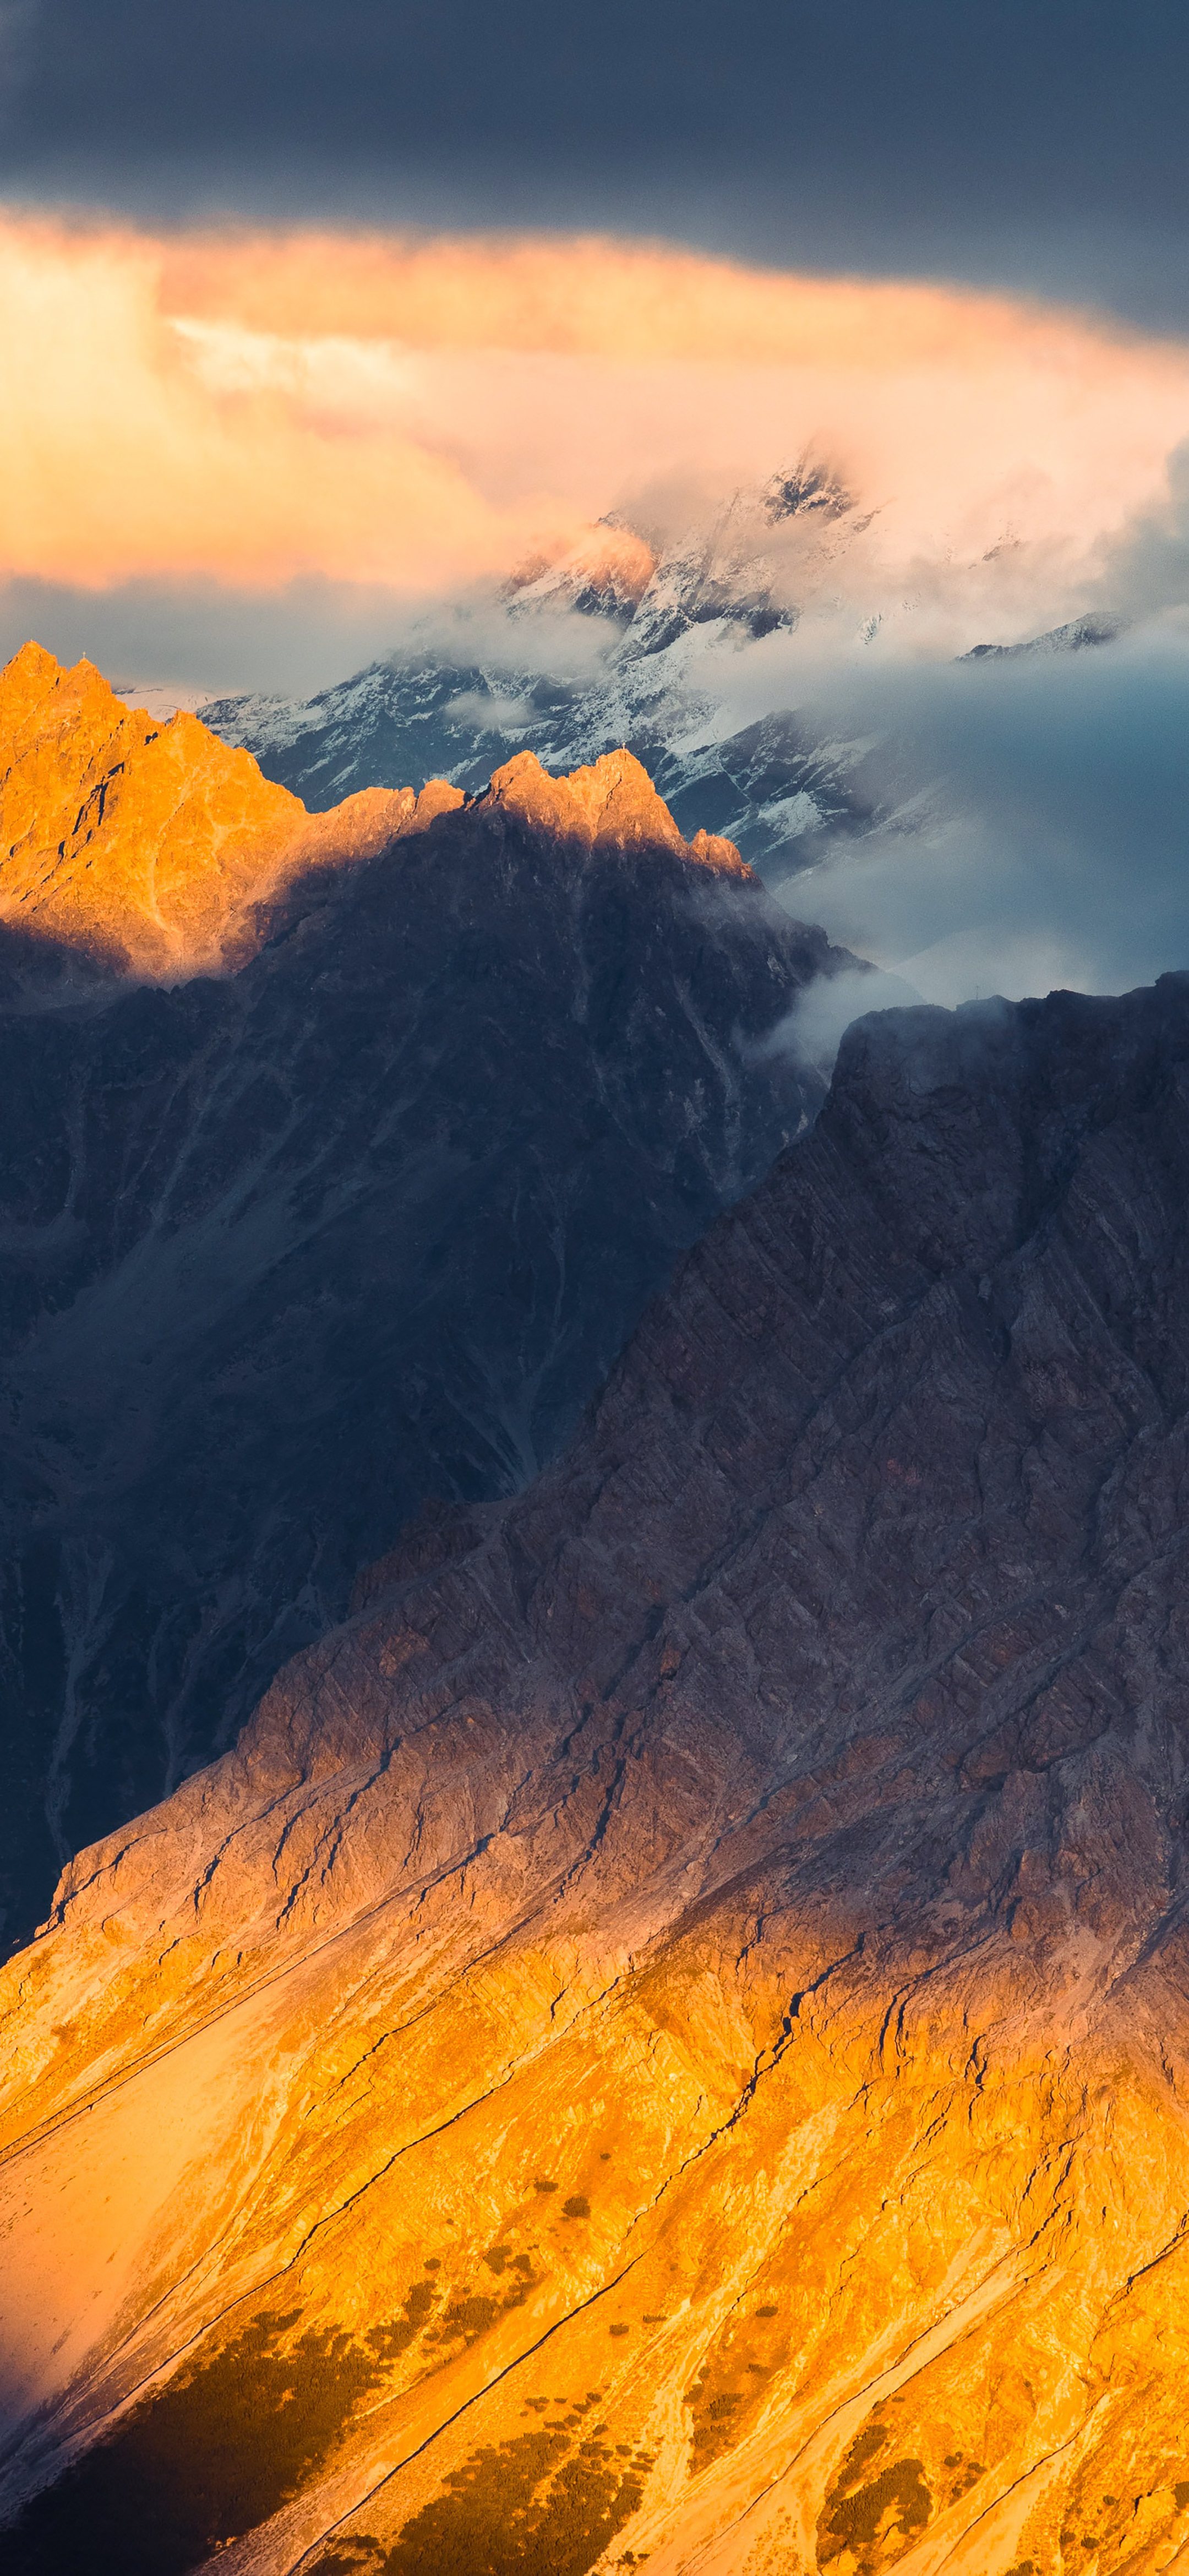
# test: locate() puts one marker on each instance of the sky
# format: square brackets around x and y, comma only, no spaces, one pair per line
[217,429]
[273,277]
[315,320]
[1036,147]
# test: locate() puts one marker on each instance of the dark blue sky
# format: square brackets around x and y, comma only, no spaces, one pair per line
[1032,142]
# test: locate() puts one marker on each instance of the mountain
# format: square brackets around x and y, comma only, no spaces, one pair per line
[672,615]
[1077,636]
[360,1219]
[667,619]
[667,2039]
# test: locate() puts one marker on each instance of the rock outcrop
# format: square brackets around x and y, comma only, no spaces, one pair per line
[363,1219]
[668,2038]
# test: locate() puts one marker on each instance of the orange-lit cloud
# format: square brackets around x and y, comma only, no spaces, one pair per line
[413,414]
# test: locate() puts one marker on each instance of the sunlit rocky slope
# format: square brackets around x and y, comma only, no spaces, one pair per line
[668,2039]
[361,1213]
[151,849]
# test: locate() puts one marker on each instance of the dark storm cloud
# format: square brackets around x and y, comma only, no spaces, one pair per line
[1037,144]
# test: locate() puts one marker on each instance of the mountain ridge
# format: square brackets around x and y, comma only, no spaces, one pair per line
[685,1987]
[180,850]
[664,604]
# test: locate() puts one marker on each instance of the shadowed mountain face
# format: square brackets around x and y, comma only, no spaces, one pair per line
[288,1249]
[668,2036]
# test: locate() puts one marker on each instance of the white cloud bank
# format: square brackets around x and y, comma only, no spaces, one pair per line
[1045,830]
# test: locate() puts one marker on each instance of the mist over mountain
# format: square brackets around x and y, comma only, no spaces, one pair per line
[976,802]
[675,615]
[602,1662]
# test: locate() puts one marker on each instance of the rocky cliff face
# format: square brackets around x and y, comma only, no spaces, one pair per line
[667,2040]
[288,1248]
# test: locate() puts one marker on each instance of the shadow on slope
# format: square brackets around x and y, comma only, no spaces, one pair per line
[288,1251]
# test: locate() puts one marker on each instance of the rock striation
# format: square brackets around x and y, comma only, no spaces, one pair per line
[667,2039]
[361,1218]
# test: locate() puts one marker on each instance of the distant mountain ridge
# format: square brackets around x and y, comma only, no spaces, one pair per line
[674,612]
[155,850]
[1078,636]
[770,787]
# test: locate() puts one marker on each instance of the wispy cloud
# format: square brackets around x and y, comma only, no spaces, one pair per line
[258,459]
[413,414]
[813,1028]
[1045,830]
